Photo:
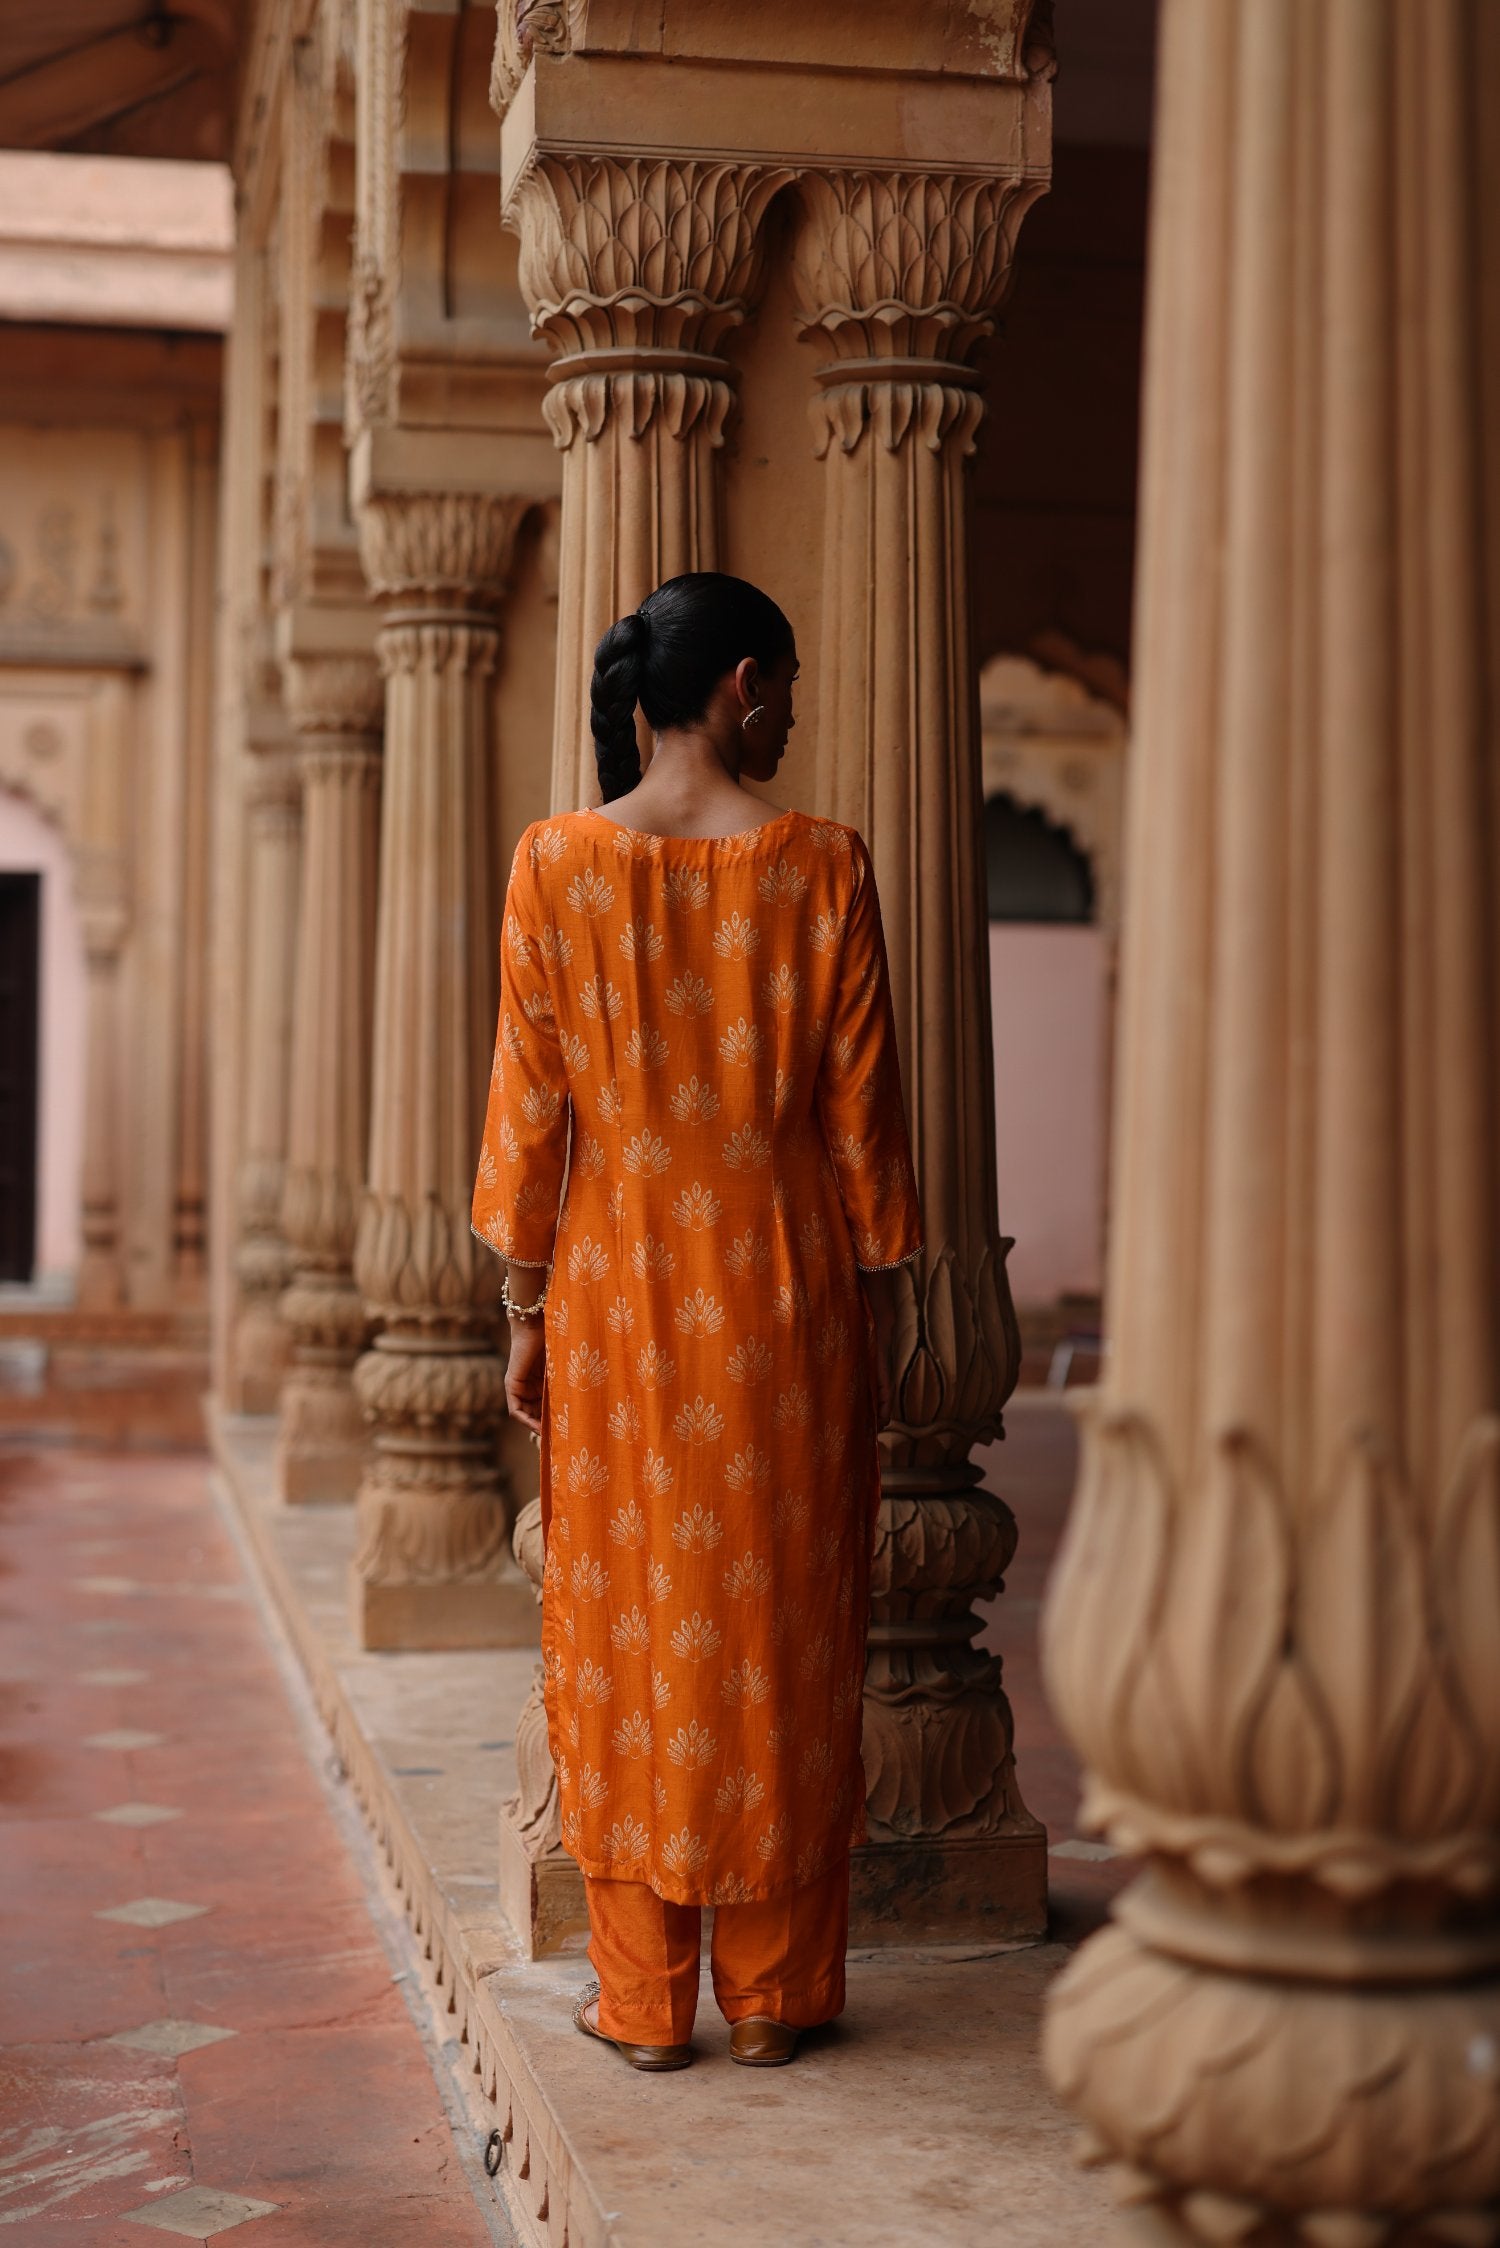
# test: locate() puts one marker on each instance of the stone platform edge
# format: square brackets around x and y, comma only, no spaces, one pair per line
[547,2189]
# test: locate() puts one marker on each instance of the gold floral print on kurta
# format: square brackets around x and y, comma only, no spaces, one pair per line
[696,1119]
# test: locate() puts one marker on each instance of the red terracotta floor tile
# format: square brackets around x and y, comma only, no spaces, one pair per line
[83,2232]
[323,2100]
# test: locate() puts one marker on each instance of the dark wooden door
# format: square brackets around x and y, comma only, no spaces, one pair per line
[20,962]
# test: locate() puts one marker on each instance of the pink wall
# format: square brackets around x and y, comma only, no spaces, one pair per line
[1050,994]
[29,845]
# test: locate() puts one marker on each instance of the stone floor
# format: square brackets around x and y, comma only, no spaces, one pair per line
[132,1381]
[199,2027]
[920,2119]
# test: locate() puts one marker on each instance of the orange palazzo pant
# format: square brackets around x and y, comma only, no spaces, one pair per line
[779,1956]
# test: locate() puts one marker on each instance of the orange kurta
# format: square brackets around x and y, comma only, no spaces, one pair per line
[696,1117]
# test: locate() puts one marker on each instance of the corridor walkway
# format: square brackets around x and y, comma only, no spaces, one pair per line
[200,2032]
[199,2027]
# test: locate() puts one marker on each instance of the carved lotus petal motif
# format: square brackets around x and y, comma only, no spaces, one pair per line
[1115,1987]
[430,1277]
[1344,2228]
[406,1539]
[537,1803]
[416,1388]
[454,543]
[528,1544]
[678,236]
[1296,2098]
[960,1542]
[1220,2217]
[964,1366]
[1360,1617]
[942,1770]
[1467,1593]
[1292,1760]
[896,263]
[380,1247]
[1223,1648]
[1343,1720]
[1437,1768]
[1101,1612]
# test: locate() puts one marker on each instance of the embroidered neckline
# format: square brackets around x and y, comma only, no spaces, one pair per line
[652,840]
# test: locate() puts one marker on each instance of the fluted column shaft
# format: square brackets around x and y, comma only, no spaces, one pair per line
[1274,1628]
[434,1567]
[634,269]
[100,1278]
[898,275]
[273,833]
[336,706]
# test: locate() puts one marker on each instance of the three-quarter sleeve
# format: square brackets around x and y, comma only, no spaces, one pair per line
[859,1096]
[523,1156]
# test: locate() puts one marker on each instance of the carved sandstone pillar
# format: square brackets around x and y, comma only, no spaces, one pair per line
[634,268]
[1274,1628]
[100,1279]
[336,705]
[273,830]
[434,1567]
[190,1212]
[541,1888]
[898,275]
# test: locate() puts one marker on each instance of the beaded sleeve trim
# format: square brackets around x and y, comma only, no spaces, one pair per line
[890,1263]
[523,1264]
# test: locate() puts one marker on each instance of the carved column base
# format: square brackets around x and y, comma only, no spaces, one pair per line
[396,1616]
[262,1345]
[99,1287]
[320,1451]
[434,1567]
[1285,2108]
[541,1888]
[953,1855]
[987,1889]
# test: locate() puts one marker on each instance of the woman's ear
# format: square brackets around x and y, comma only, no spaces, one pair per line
[747,682]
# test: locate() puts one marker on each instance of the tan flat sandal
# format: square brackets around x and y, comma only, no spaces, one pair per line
[650,2057]
[759,2042]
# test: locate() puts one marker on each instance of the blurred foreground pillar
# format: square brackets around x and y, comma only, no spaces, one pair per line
[1275,1628]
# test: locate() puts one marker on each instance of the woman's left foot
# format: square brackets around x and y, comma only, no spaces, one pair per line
[758,2042]
[649,2057]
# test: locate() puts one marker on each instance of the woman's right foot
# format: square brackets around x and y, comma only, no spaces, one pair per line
[758,2042]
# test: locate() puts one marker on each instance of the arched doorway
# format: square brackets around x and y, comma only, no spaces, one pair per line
[44,982]
[1053,770]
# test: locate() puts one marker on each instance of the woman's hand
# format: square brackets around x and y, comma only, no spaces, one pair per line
[524,1370]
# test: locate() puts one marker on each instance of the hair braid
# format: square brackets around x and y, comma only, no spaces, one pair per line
[669,655]
[619,661]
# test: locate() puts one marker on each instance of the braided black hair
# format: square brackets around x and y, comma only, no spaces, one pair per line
[619,660]
[669,655]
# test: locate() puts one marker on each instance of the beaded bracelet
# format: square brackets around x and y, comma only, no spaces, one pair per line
[533,1310]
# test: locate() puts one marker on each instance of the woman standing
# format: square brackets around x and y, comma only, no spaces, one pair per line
[696,1034]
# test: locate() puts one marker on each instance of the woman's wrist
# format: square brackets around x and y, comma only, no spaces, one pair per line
[525,1304]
